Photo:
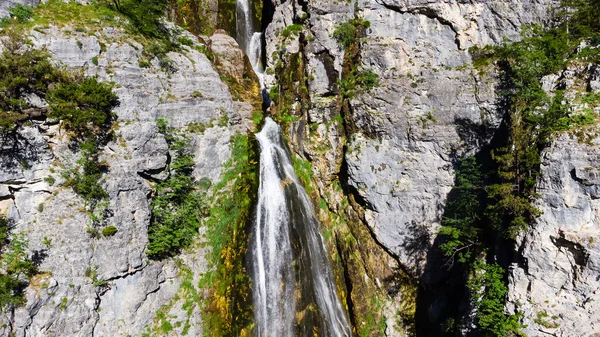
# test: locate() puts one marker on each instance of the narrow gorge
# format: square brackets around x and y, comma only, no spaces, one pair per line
[299,168]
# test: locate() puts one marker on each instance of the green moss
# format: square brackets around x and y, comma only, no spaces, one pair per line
[109,231]
[228,311]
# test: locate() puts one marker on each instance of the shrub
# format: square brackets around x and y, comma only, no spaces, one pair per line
[144,15]
[84,106]
[487,282]
[347,33]
[291,30]
[19,12]
[176,207]
[22,72]
[86,178]
[18,268]
[358,82]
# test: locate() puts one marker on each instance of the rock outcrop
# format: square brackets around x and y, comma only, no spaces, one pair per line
[556,282]
[107,286]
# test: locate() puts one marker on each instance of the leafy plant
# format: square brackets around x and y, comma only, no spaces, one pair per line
[19,12]
[86,178]
[85,106]
[347,33]
[176,207]
[17,268]
[487,281]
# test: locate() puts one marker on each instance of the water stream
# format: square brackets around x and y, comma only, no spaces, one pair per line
[294,288]
[294,291]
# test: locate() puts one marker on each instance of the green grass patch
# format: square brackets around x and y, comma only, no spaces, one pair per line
[228,310]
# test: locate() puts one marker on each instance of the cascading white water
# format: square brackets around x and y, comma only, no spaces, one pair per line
[293,285]
[294,290]
[249,40]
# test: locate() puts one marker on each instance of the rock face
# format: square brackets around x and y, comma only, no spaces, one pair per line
[430,108]
[107,286]
[556,282]
[556,285]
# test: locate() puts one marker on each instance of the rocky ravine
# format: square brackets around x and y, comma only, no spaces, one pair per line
[64,300]
[431,108]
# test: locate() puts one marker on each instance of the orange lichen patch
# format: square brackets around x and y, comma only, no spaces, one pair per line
[40,281]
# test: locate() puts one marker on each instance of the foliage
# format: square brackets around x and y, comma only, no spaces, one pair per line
[492,203]
[86,177]
[176,207]
[22,73]
[227,312]
[358,82]
[580,18]
[347,33]
[461,224]
[17,268]
[19,12]
[487,281]
[291,30]
[144,15]
[85,106]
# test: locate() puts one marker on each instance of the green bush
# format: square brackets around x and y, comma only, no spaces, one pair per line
[84,106]
[22,72]
[19,12]
[347,33]
[144,15]
[357,82]
[18,268]
[109,231]
[291,30]
[86,178]
[176,207]
[487,282]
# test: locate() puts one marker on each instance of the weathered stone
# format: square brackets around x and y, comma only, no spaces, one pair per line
[555,284]
[228,53]
[107,286]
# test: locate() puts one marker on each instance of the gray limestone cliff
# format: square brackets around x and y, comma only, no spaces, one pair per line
[107,286]
[401,139]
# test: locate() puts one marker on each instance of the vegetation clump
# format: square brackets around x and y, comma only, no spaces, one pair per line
[347,33]
[109,231]
[228,311]
[19,13]
[17,267]
[492,201]
[177,207]
[354,81]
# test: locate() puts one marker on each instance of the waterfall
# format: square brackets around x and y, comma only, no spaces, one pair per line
[294,288]
[249,39]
